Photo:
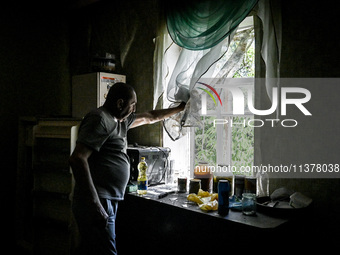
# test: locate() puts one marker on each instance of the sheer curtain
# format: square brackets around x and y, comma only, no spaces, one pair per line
[192,26]
[269,11]
[202,28]
[200,25]
[164,49]
[224,67]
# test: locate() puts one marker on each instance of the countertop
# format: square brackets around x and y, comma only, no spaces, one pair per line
[174,225]
[179,200]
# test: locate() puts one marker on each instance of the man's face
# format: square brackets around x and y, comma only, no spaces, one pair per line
[128,108]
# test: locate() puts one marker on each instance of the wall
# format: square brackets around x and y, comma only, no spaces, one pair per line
[126,29]
[34,80]
[41,47]
[308,50]
[34,76]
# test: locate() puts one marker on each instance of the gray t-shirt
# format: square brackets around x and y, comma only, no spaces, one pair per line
[109,162]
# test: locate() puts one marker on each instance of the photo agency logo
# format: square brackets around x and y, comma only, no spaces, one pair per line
[204,109]
[281,97]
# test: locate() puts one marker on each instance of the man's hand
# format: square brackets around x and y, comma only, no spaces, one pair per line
[183,94]
[181,106]
[97,214]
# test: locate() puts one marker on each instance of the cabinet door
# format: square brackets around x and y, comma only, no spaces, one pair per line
[54,141]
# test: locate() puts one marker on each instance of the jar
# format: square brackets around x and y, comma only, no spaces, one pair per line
[203,173]
[182,184]
[194,186]
[249,203]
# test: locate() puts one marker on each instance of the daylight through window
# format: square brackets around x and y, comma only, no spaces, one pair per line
[216,141]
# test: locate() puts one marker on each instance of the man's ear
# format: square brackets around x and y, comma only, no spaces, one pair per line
[120,104]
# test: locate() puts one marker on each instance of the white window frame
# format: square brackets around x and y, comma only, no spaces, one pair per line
[220,114]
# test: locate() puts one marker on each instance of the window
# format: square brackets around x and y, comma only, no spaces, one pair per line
[223,138]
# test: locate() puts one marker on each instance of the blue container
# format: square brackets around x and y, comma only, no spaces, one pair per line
[223,197]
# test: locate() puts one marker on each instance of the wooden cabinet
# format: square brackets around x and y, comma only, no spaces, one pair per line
[53,225]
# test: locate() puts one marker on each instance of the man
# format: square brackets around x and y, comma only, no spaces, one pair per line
[101,168]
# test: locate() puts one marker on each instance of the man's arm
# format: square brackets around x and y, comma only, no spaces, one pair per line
[154,116]
[81,172]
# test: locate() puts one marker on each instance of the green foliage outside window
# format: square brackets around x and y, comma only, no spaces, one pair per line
[205,142]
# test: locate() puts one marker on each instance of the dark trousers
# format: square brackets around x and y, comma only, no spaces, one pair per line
[96,239]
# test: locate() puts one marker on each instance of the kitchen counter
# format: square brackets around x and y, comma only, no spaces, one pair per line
[172,224]
[179,200]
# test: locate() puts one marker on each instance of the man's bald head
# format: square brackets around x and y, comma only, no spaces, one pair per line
[121,100]
[120,90]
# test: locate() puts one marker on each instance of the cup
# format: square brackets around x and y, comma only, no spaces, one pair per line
[249,203]
[194,186]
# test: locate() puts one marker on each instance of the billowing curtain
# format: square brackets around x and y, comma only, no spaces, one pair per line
[204,29]
[201,28]
[226,67]
[200,25]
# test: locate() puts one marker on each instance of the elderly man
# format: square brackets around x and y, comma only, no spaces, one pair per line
[101,166]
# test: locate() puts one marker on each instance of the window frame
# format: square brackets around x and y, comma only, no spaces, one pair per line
[189,169]
[220,114]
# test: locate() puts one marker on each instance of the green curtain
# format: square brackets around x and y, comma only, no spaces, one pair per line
[202,24]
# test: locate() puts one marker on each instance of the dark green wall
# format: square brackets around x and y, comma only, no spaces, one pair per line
[34,72]
[41,47]
[126,29]
[309,50]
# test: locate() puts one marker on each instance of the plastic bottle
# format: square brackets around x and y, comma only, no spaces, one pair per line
[169,177]
[142,180]
[262,184]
